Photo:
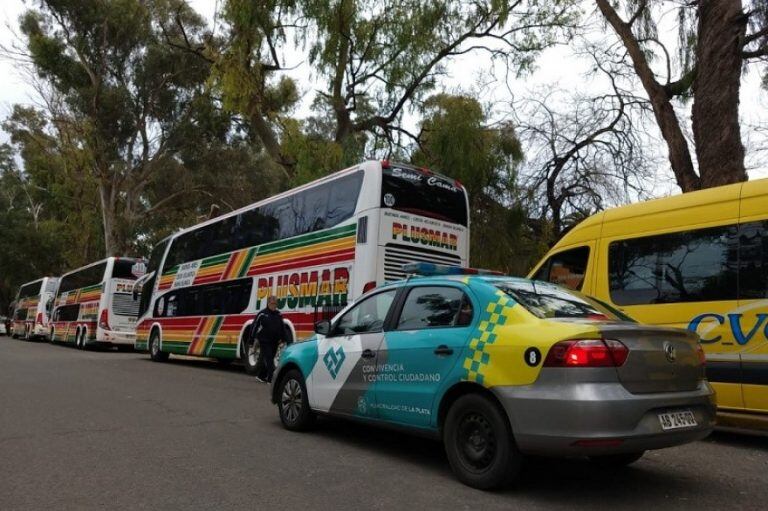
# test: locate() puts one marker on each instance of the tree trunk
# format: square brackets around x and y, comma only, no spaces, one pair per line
[677,145]
[721,31]
[109,220]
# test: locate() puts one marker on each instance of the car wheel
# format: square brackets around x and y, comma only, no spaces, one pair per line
[616,460]
[479,443]
[250,355]
[292,404]
[154,348]
[52,336]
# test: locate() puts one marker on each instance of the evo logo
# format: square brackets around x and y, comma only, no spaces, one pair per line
[741,333]
[333,360]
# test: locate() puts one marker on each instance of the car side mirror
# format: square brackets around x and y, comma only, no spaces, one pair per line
[323,327]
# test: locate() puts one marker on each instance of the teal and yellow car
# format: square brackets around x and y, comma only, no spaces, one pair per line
[499,368]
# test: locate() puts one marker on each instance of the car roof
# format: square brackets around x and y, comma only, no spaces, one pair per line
[466,279]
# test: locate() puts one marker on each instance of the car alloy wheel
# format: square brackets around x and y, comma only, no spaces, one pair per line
[291,401]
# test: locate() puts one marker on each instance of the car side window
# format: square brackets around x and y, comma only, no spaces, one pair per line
[435,307]
[367,316]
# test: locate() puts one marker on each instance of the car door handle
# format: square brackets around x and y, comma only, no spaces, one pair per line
[368,354]
[443,350]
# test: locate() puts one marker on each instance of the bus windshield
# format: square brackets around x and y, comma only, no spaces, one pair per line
[423,193]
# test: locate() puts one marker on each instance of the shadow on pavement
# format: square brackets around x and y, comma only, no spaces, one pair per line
[548,480]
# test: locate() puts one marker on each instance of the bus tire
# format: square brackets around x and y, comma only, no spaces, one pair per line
[84,339]
[479,443]
[154,348]
[250,355]
[292,402]
[77,338]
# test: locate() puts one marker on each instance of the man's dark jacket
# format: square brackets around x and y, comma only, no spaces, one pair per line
[268,326]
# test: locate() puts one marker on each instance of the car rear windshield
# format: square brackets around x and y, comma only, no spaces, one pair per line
[425,194]
[546,300]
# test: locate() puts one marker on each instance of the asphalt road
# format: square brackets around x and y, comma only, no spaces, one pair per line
[107,430]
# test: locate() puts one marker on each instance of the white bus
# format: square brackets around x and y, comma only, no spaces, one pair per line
[315,247]
[94,304]
[30,314]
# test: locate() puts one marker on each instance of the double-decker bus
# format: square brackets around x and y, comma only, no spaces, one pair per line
[30,314]
[94,304]
[314,247]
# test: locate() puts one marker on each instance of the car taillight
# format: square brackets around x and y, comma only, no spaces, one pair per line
[368,286]
[587,353]
[39,319]
[701,354]
[104,320]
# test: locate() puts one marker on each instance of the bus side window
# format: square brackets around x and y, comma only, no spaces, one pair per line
[566,268]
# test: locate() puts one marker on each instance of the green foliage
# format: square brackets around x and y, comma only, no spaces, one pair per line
[456,141]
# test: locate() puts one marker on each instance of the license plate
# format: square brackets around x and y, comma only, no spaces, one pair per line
[677,420]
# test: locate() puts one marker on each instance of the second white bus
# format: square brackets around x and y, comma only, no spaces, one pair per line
[94,304]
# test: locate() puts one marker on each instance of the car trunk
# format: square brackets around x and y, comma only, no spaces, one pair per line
[660,359]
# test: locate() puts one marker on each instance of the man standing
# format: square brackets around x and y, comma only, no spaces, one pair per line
[269,331]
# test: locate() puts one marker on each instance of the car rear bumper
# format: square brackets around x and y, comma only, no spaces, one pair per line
[584,419]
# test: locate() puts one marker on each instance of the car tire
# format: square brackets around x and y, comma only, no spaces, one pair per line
[616,460]
[292,403]
[479,443]
[154,348]
[249,355]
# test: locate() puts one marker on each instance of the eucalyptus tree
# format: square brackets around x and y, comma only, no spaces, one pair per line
[374,60]
[121,103]
[716,40]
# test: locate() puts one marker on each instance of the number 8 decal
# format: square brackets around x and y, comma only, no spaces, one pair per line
[532,357]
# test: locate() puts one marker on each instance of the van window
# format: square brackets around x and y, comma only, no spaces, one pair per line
[753,260]
[566,268]
[689,266]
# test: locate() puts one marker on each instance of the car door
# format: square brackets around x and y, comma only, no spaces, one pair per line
[428,337]
[341,378]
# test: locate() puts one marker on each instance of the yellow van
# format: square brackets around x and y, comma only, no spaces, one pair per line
[697,261]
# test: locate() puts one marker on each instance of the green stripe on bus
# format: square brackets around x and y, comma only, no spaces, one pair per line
[213,261]
[247,264]
[212,337]
[278,246]
[309,239]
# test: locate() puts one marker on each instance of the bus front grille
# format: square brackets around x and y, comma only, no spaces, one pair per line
[395,256]
[124,305]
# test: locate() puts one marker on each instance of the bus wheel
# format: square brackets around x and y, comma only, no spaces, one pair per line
[250,356]
[154,348]
[77,338]
[83,339]
[52,336]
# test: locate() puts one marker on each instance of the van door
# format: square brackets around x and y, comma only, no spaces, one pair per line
[683,279]
[750,320]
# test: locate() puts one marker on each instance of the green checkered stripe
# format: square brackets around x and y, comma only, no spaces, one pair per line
[494,315]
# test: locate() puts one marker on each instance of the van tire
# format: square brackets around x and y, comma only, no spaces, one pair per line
[154,348]
[479,443]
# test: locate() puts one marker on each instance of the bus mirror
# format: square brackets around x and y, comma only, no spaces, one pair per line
[323,327]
